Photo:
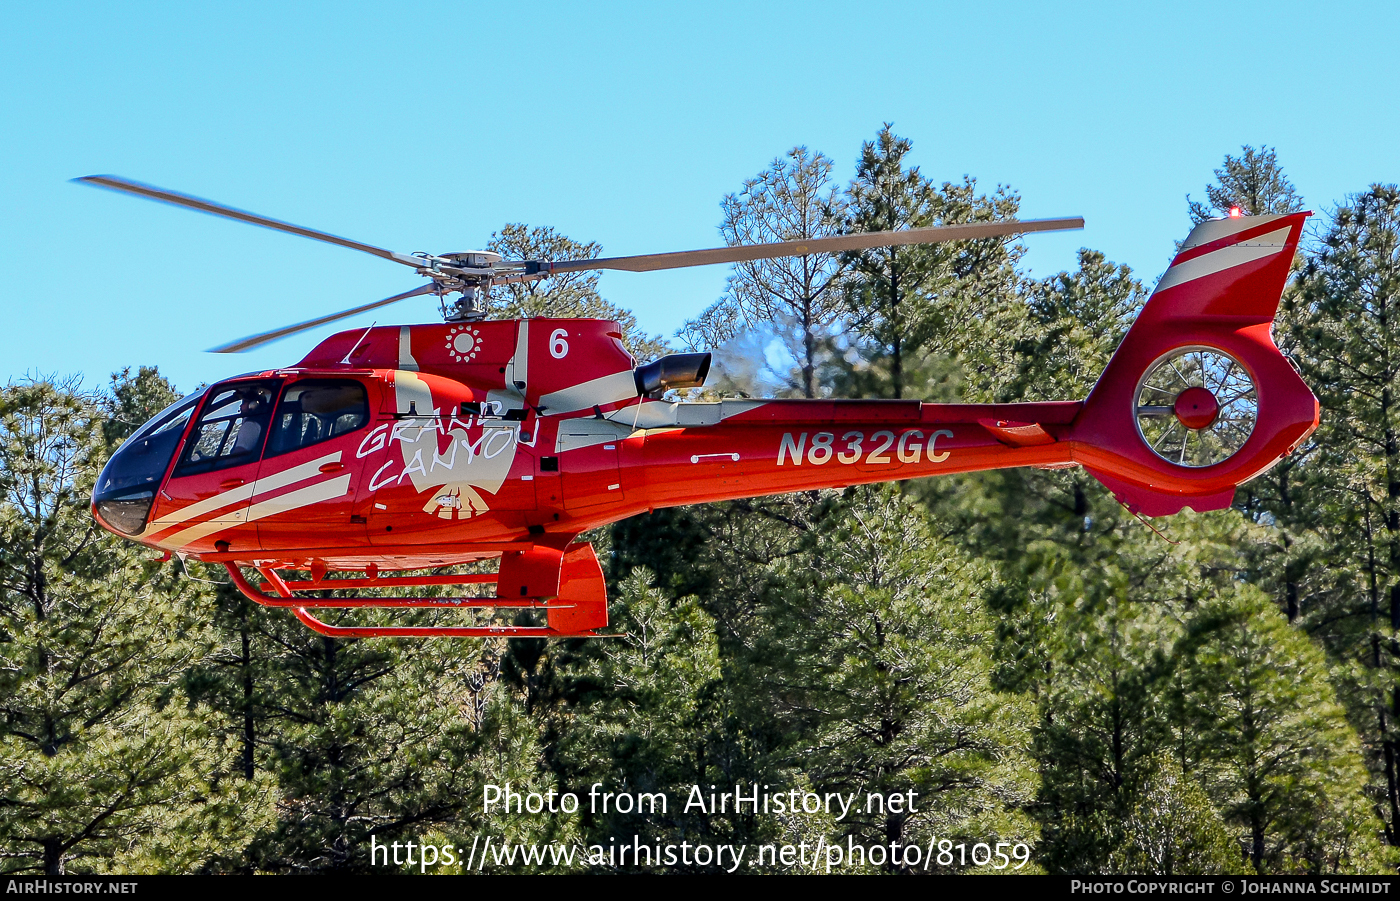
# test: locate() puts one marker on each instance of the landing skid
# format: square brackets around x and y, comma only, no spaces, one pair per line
[567,584]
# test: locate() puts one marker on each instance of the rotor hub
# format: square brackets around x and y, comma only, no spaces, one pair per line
[465,308]
[473,259]
[1196,408]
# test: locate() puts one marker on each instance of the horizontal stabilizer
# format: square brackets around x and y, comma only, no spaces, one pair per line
[1017,434]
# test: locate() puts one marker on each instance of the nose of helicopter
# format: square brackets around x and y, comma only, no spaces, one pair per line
[1196,408]
[126,489]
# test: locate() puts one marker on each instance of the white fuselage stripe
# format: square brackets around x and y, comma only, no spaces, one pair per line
[295,474]
[292,500]
[199,508]
[1224,258]
[242,493]
[608,389]
[302,497]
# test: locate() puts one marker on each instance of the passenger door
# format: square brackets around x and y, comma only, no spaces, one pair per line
[306,486]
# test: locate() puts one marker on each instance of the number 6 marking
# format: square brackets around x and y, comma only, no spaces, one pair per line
[558,347]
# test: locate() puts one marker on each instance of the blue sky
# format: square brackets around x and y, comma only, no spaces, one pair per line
[427,126]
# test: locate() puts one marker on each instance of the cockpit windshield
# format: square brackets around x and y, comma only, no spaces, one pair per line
[128,483]
[230,432]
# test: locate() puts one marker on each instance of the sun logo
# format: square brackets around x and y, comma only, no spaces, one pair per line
[463,342]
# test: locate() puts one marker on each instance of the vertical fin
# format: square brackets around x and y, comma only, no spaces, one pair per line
[1219,296]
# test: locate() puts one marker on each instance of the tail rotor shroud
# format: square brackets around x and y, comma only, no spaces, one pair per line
[1196,407]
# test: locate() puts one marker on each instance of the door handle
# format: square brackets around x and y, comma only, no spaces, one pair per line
[226,484]
[332,467]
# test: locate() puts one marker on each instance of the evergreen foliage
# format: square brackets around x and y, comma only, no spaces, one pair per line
[887,678]
[103,766]
[904,300]
[1253,183]
[1260,724]
[794,199]
[563,295]
[1346,501]
[1031,661]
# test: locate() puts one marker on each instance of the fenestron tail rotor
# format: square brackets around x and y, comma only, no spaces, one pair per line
[470,274]
[1196,407]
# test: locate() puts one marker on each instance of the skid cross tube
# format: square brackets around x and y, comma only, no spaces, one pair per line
[285,598]
[377,582]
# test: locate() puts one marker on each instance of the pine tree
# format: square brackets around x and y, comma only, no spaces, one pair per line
[367,739]
[904,299]
[878,657]
[234,678]
[1102,724]
[1252,182]
[133,400]
[101,761]
[1345,309]
[1262,727]
[646,718]
[1172,829]
[505,750]
[564,294]
[1076,323]
[794,199]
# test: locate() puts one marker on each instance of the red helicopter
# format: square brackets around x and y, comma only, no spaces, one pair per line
[411,448]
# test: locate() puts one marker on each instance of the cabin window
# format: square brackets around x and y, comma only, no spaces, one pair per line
[316,410]
[231,430]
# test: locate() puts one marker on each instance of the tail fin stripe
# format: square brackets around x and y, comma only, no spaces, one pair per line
[1225,258]
[1258,235]
[1213,234]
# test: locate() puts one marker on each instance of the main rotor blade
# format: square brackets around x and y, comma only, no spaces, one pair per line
[150,192]
[253,341]
[862,241]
